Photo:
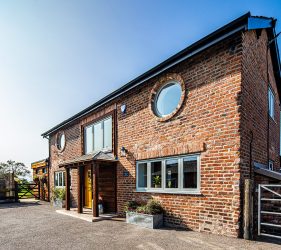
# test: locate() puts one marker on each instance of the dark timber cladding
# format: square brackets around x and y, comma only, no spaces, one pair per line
[106,187]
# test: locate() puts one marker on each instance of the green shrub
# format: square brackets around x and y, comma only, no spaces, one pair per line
[152,207]
[131,206]
[58,193]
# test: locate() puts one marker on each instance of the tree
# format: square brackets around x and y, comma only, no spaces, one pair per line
[18,168]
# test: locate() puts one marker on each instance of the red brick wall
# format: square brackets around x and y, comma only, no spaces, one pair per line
[208,117]
[208,122]
[254,106]
[254,109]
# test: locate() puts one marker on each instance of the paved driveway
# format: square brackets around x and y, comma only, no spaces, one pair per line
[38,226]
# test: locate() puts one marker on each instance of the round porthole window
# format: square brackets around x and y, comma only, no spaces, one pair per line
[61,141]
[167,99]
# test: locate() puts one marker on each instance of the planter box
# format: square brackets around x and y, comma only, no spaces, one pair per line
[145,220]
[59,204]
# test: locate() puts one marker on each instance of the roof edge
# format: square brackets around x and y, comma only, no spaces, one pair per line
[235,25]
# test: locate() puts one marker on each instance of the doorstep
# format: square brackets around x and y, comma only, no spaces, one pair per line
[87,216]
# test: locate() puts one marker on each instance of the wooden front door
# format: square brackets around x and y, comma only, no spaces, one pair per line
[107,187]
[88,187]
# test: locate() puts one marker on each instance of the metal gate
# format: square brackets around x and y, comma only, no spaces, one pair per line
[269,210]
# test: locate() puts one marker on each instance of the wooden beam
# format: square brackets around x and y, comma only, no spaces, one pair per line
[92,183]
[96,191]
[80,190]
[67,184]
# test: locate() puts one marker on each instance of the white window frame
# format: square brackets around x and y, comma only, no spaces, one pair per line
[271,165]
[271,103]
[92,125]
[56,176]
[172,82]
[163,189]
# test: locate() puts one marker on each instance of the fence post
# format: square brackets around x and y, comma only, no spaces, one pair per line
[248,209]
[39,190]
[16,192]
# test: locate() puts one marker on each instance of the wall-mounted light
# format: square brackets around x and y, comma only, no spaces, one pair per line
[123,108]
[123,152]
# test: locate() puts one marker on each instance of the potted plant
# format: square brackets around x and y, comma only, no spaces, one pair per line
[157,181]
[58,197]
[148,215]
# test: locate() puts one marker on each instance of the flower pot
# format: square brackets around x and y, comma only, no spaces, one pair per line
[145,220]
[157,185]
[57,203]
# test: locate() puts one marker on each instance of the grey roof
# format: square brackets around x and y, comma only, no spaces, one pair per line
[96,156]
[262,170]
[245,22]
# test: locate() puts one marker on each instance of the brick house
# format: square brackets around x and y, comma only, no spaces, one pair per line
[187,132]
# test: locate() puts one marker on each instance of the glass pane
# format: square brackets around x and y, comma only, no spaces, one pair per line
[156,174]
[108,133]
[190,173]
[63,178]
[62,141]
[168,99]
[142,175]
[271,103]
[56,179]
[172,174]
[98,136]
[89,143]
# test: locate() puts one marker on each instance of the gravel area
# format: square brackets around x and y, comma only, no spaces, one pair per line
[35,225]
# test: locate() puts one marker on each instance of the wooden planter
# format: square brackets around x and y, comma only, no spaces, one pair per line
[57,203]
[145,220]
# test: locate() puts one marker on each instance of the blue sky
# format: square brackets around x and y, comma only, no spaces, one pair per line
[58,57]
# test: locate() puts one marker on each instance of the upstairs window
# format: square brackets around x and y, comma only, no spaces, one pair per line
[60,141]
[167,99]
[98,136]
[271,102]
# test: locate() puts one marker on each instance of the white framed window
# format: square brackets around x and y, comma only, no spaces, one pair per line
[179,174]
[271,165]
[271,102]
[167,99]
[61,141]
[60,179]
[98,136]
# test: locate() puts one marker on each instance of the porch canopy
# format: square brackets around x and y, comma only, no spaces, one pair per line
[80,162]
[85,159]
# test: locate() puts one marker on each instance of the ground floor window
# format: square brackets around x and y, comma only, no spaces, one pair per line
[59,179]
[169,175]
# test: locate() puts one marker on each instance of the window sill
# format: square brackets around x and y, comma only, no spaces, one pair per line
[169,192]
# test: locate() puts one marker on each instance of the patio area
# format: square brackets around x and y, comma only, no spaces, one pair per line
[87,215]
[36,225]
